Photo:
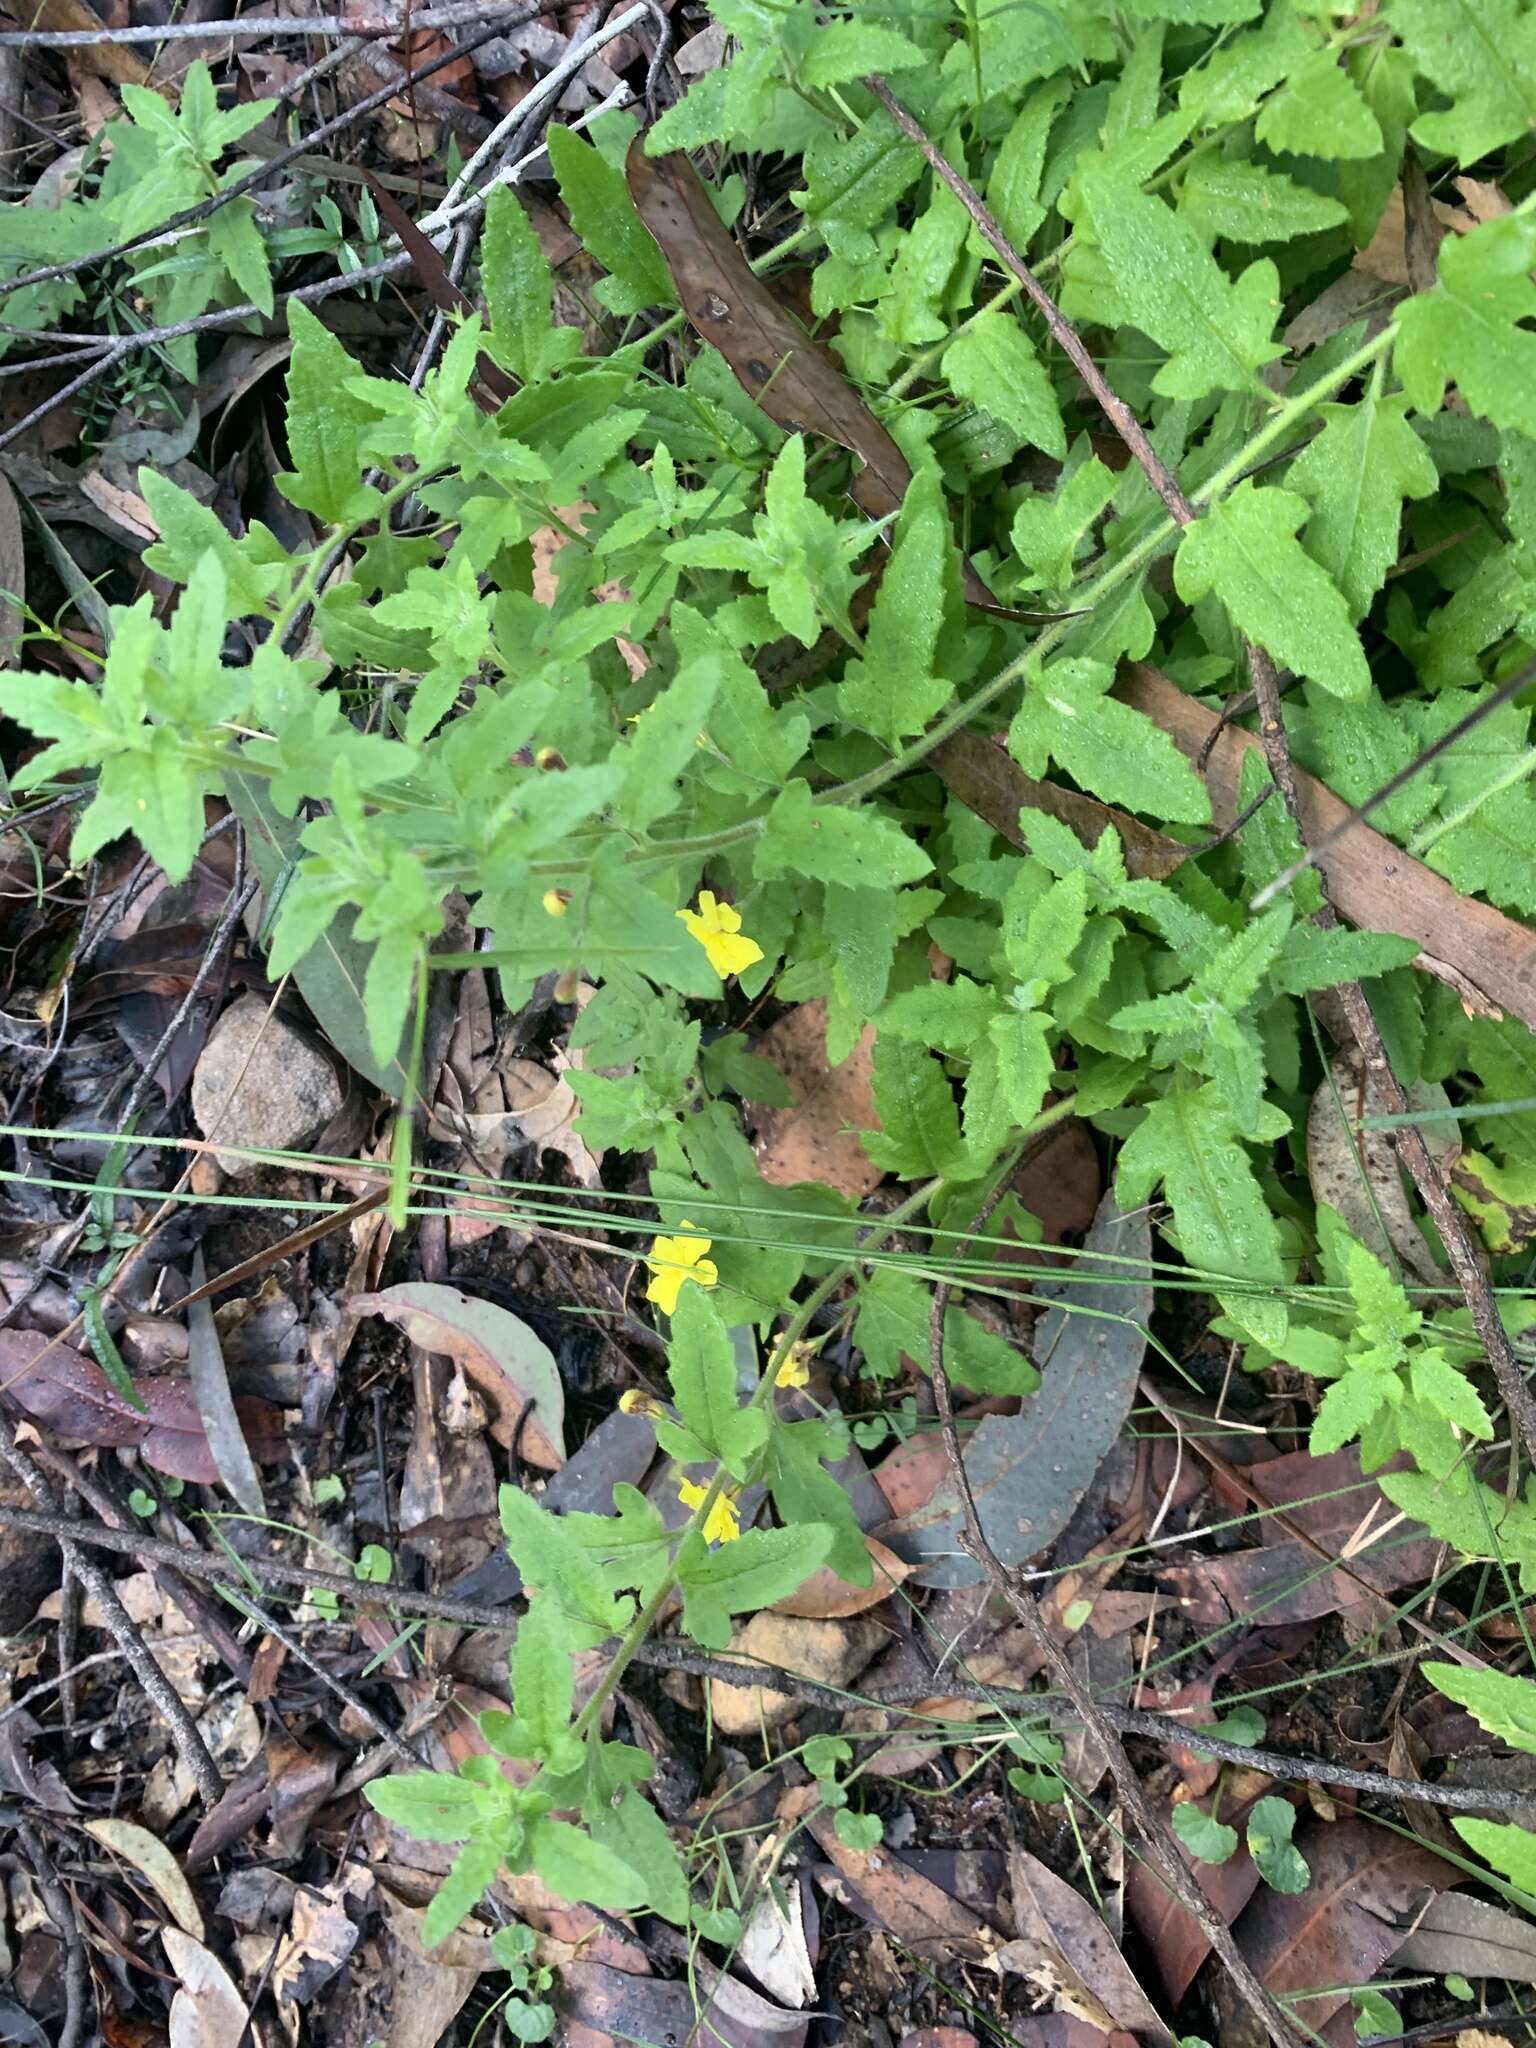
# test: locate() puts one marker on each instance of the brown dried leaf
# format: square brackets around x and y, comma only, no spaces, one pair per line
[919,1913]
[1344,1926]
[1073,1946]
[816,1139]
[73,1395]
[1373,883]
[1358,1172]
[1178,1943]
[826,1597]
[775,360]
[207,2011]
[1470,1936]
[511,1366]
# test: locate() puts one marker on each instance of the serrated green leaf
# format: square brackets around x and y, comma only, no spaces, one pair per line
[759,1568]
[1504,1705]
[920,1133]
[1355,475]
[836,843]
[326,424]
[603,214]
[1508,1848]
[1319,111]
[1107,747]
[894,690]
[1216,333]
[1467,327]
[1248,202]
[552,1560]
[992,363]
[543,1672]
[1245,550]
[519,292]
[701,1363]
[1482,56]
[1013,187]
[584,1871]
[1312,958]
[1347,1407]
[1188,1142]
[842,51]
[431,1806]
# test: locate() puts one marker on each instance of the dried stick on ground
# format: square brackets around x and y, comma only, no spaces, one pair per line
[1161,1847]
[59,1910]
[677,1656]
[157,1687]
[1411,1148]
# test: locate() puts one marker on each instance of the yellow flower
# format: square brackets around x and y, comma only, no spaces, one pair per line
[635,1401]
[717,927]
[673,1260]
[723,1523]
[796,1368]
[555,902]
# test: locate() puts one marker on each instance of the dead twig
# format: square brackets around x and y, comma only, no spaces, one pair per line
[157,1687]
[253,27]
[62,1914]
[1162,1849]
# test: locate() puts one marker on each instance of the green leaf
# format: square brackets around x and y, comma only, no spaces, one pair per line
[431,1806]
[1447,1392]
[920,1133]
[1245,550]
[326,425]
[1347,1407]
[1510,1849]
[1355,476]
[471,1872]
[584,1871]
[1047,532]
[1107,747]
[604,216]
[1467,328]
[1505,1706]
[1319,111]
[519,292]
[638,1836]
[543,1673]
[1216,333]
[858,1830]
[701,1363]
[842,51]
[1013,188]
[1188,1142]
[894,690]
[1248,202]
[1280,1862]
[992,363]
[1312,958]
[836,843]
[1207,1840]
[949,1015]
[551,1558]
[760,1567]
[1482,56]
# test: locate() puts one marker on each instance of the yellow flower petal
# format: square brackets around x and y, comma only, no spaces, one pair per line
[554,902]
[673,1260]
[717,927]
[796,1369]
[635,1401]
[690,1495]
[723,1522]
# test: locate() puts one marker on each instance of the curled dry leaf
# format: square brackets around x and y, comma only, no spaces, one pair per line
[209,1380]
[774,1947]
[600,2006]
[495,1349]
[540,1110]
[1064,1946]
[155,1864]
[917,1912]
[207,2011]
[72,1394]
[817,1137]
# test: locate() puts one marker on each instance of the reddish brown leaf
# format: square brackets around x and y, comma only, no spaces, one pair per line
[1175,1938]
[1058,1922]
[1372,882]
[71,1393]
[770,353]
[816,1138]
[1345,1925]
[1285,1579]
[826,1597]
